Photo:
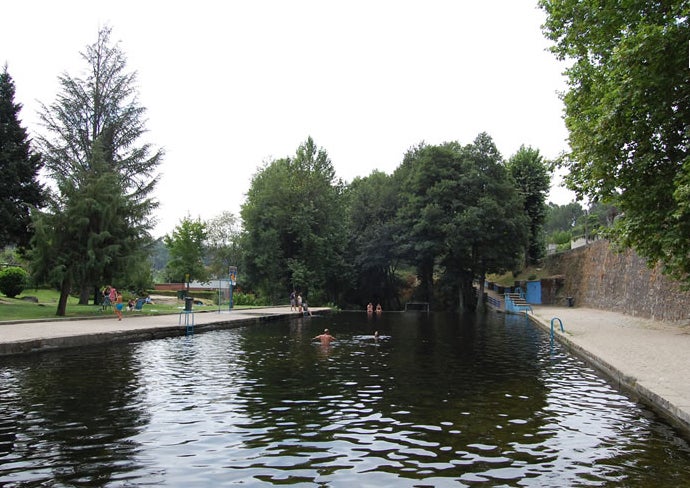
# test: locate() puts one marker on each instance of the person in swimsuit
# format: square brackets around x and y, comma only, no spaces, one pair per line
[118,306]
[326,338]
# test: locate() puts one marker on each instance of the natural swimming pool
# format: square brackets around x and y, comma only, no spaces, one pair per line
[443,401]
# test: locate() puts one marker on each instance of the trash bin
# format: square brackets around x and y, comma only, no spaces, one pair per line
[188,302]
[571,301]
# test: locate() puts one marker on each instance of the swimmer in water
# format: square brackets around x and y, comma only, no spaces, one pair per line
[326,338]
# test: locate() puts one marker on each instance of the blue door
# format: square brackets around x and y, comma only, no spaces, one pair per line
[533,294]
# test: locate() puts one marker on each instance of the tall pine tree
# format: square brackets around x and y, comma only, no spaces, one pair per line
[19,186]
[104,177]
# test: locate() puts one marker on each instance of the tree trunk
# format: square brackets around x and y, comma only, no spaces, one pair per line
[481,306]
[427,285]
[64,294]
[84,294]
[462,306]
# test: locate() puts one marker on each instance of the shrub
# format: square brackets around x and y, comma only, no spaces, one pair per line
[13,280]
[248,299]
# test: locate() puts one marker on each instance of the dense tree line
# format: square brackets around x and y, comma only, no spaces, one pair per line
[448,215]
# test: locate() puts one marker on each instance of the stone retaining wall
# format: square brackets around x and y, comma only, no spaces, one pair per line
[599,277]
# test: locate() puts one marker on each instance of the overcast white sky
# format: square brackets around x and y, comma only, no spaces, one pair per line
[228,84]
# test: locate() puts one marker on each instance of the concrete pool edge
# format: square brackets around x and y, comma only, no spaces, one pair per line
[615,356]
[19,338]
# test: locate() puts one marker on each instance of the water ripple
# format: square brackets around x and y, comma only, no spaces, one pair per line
[440,403]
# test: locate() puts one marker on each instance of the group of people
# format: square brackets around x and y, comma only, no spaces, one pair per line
[298,304]
[111,296]
[325,338]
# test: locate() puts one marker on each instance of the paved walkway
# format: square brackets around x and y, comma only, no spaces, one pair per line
[646,358]
[30,336]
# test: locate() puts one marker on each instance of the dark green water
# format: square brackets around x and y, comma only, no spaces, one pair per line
[442,401]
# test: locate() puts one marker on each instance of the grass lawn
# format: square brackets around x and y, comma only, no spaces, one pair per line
[19,309]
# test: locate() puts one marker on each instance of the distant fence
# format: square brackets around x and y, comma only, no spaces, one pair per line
[494,302]
[169,286]
[417,306]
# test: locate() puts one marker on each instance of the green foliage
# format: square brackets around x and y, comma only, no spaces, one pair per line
[10,256]
[294,231]
[373,203]
[19,187]
[562,217]
[13,280]
[223,245]
[567,222]
[463,215]
[159,259]
[186,248]
[18,309]
[561,237]
[247,299]
[95,227]
[626,108]
[531,174]
[139,276]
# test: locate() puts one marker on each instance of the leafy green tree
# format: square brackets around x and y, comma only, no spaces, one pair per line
[100,214]
[294,230]
[139,275]
[420,234]
[270,226]
[562,217]
[159,259]
[373,203]
[605,215]
[223,243]
[531,174]
[627,109]
[10,256]
[487,229]
[562,239]
[19,166]
[596,221]
[13,280]
[186,248]
[463,216]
